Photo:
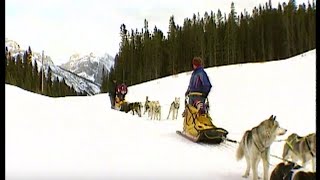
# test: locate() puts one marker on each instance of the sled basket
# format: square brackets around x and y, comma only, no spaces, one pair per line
[212,136]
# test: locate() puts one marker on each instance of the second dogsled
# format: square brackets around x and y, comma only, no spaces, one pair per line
[120,103]
[198,127]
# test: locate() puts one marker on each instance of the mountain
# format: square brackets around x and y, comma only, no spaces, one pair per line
[89,66]
[14,48]
[79,83]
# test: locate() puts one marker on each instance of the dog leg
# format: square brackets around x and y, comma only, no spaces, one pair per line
[173,114]
[254,163]
[139,112]
[177,113]
[152,115]
[247,172]
[313,164]
[265,161]
[304,161]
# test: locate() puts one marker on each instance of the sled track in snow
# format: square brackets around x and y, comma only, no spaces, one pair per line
[224,146]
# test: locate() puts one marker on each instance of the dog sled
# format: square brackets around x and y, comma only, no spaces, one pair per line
[120,104]
[199,127]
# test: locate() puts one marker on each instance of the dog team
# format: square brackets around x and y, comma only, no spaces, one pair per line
[255,146]
[153,109]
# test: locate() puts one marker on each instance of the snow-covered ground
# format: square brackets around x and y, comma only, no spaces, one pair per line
[82,138]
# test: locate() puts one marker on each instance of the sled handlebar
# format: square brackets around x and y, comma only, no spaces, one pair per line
[192,94]
[195,93]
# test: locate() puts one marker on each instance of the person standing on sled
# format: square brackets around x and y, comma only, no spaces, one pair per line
[112,92]
[199,86]
[122,91]
[197,123]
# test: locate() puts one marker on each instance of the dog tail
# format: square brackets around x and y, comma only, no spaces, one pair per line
[240,152]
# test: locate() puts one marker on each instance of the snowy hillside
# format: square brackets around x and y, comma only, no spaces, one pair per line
[89,66]
[82,138]
[79,83]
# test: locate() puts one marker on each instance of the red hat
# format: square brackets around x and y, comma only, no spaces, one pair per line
[197,61]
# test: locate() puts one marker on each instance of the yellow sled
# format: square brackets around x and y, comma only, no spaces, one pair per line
[199,127]
[119,104]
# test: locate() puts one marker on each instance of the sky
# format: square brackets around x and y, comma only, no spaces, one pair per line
[64,27]
[82,138]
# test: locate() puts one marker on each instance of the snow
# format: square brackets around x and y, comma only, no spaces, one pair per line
[82,138]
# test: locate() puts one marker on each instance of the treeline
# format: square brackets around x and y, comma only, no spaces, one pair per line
[266,34]
[21,72]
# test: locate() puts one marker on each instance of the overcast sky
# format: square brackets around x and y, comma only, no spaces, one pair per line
[64,27]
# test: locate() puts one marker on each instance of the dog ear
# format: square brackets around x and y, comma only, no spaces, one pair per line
[271,117]
[274,118]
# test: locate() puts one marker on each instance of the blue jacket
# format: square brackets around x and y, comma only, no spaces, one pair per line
[199,81]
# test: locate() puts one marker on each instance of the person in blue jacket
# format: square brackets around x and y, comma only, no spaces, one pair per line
[199,85]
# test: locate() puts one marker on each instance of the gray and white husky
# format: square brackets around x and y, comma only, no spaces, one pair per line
[174,107]
[301,148]
[255,145]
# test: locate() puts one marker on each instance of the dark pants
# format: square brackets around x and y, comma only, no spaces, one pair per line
[112,100]
[194,100]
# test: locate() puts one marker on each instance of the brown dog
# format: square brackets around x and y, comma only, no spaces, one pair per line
[284,171]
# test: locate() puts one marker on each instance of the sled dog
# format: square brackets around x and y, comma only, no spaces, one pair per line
[146,105]
[174,107]
[284,171]
[301,148]
[154,111]
[291,171]
[255,145]
[135,107]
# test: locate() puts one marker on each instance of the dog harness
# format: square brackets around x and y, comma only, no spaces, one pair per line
[289,143]
[258,139]
[289,175]
[176,105]
[308,144]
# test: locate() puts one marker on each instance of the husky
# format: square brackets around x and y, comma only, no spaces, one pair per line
[146,105]
[300,148]
[284,171]
[291,171]
[135,107]
[255,145]
[174,107]
[154,111]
